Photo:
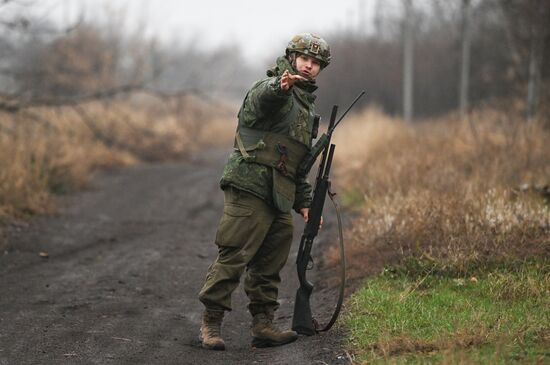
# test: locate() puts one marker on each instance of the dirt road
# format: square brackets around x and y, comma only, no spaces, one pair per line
[126,261]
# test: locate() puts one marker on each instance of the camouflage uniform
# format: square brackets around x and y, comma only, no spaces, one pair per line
[255,232]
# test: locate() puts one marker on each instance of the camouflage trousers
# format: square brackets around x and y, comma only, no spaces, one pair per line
[251,236]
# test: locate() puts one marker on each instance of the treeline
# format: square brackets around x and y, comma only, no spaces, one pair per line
[42,64]
[509,41]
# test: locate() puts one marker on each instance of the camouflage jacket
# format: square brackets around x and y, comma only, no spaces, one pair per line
[267,107]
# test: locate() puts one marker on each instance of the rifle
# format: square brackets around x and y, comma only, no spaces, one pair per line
[302,320]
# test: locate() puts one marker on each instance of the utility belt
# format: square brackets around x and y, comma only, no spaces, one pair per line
[282,153]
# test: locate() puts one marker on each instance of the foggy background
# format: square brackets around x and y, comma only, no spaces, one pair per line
[58,49]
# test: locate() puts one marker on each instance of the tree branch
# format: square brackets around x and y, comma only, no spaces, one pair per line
[9,102]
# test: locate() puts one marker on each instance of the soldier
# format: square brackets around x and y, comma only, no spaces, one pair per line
[276,125]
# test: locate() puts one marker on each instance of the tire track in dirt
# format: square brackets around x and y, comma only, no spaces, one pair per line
[126,261]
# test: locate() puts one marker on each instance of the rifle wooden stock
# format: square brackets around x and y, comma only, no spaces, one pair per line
[302,320]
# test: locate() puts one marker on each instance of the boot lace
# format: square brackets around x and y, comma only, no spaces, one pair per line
[213,325]
[266,321]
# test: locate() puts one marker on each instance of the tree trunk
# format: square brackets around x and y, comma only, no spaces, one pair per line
[465,60]
[408,61]
[533,86]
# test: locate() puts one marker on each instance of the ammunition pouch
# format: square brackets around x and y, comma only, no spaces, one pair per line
[282,153]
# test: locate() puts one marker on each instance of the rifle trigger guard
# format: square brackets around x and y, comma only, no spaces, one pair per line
[310,264]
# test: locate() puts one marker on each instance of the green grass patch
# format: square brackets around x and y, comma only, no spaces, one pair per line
[352,198]
[411,316]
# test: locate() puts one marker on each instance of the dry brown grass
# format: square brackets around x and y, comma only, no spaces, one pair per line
[444,190]
[395,346]
[453,350]
[50,150]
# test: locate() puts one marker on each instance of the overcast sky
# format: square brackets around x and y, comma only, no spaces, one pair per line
[258,26]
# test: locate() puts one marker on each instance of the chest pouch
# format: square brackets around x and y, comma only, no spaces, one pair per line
[282,153]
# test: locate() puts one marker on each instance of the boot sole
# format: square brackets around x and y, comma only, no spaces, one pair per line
[214,347]
[263,342]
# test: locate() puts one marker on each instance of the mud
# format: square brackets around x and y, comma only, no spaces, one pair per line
[126,259]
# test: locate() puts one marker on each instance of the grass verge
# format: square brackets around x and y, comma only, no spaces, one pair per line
[48,151]
[457,193]
[422,313]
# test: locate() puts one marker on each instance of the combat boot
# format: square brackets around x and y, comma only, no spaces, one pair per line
[210,333]
[265,334]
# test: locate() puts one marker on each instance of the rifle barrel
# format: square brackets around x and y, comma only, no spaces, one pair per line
[333,117]
[331,126]
[349,108]
[329,161]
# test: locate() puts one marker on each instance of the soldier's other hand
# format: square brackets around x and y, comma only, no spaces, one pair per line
[288,79]
[305,213]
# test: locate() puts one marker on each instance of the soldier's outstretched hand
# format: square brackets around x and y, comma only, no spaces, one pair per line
[288,79]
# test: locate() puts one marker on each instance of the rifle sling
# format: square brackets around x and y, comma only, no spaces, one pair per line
[342,266]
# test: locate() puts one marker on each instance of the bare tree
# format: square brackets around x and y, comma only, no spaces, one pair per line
[539,31]
[465,59]
[408,60]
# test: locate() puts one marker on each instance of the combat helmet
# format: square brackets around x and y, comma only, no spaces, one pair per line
[312,45]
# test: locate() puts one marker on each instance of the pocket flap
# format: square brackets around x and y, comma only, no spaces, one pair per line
[284,192]
[237,211]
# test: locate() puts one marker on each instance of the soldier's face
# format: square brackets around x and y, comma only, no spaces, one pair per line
[307,66]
